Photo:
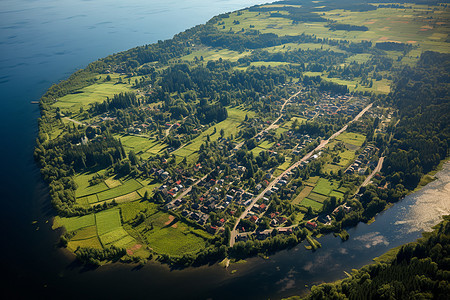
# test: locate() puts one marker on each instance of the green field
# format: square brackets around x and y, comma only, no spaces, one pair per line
[266,145]
[94,93]
[303,46]
[286,164]
[107,221]
[83,187]
[288,124]
[114,236]
[324,186]
[311,203]
[337,194]
[85,233]
[352,138]
[385,24]
[175,241]
[131,209]
[303,194]
[127,187]
[257,150]
[215,54]
[93,242]
[74,223]
[317,197]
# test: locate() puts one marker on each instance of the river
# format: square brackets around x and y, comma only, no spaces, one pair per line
[43,42]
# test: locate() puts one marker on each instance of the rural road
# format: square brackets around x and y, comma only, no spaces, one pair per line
[75,121]
[273,125]
[322,144]
[376,170]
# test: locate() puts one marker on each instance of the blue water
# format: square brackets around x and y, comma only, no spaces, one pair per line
[42,42]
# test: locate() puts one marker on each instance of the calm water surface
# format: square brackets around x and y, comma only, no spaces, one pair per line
[42,42]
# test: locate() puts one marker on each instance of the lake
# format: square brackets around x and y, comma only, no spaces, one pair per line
[45,41]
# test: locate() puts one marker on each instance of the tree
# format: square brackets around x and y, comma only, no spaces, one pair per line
[133,158]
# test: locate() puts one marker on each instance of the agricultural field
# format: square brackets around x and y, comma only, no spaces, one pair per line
[96,230]
[74,223]
[107,221]
[127,187]
[137,143]
[325,186]
[306,202]
[83,186]
[411,25]
[351,138]
[96,92]
[303,194]
[214,54]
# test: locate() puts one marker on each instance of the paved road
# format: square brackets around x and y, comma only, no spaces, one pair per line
[186,191]
[322,144]
[376,170]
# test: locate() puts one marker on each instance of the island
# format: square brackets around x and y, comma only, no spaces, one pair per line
[249,134]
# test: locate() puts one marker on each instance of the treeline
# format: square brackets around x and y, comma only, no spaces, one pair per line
[94,257]
[119,101]
[418,271]
[394,46]
[274,243]
[347,27]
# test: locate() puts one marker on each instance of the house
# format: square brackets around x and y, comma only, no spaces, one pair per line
[262,235]
[211,229]
[262,207]
[311,225]
[254,219]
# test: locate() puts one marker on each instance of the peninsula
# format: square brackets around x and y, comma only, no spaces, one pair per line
[249,134]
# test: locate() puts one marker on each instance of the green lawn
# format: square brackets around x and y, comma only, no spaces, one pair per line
[137,143]
[286,164]
[266,145]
